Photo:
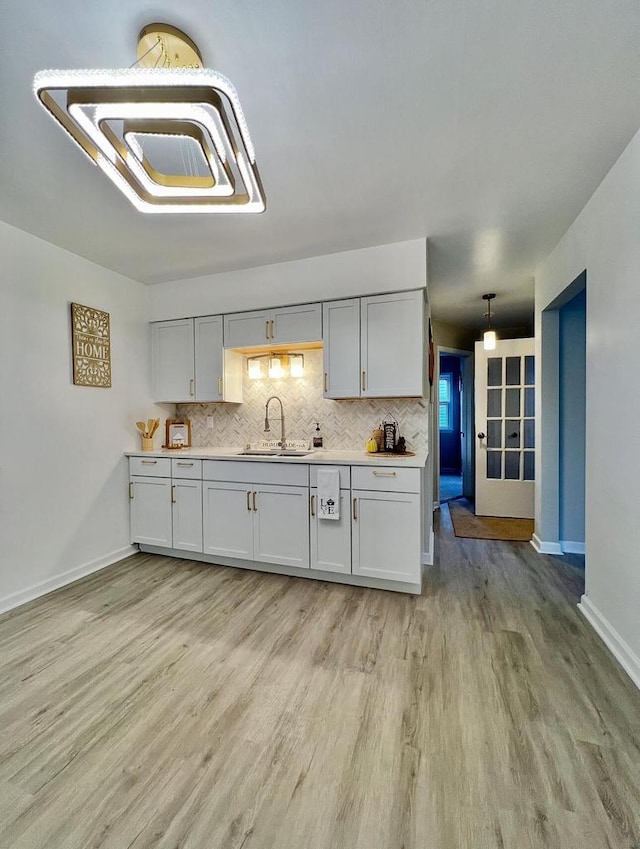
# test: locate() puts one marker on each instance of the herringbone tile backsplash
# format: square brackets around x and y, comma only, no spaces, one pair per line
[344,424]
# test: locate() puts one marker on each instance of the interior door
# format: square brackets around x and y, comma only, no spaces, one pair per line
[505,424]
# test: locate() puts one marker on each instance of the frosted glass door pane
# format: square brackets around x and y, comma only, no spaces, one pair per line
[512,465]
[494,403]
[494,434]
[512,406]
[494,371]
[512,433]
[513,371]
[530,370]
[529,466]
[494,465]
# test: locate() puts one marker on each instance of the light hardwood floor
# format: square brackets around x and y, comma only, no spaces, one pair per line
[168,704]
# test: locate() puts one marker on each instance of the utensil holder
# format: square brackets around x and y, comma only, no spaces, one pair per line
[147,443]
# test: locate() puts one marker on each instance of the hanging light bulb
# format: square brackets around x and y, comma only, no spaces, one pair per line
[254,367]
[489,338]
[296,365]
[275,367]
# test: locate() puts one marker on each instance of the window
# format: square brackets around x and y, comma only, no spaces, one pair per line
[444,399]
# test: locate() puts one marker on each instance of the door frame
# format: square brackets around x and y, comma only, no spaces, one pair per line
[467,423]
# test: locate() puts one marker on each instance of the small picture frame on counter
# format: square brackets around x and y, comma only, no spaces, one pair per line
[177,433]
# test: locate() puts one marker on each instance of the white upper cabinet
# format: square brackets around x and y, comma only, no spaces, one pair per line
[282,326]
[190,363]
[374,347]
[341,349]
[296,324]
[247,329]
[218,372]
[172,351]
[392,345]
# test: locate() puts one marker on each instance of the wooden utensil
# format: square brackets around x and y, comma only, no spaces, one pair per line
[141,427]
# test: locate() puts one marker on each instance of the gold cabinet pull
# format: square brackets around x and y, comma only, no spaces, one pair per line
[130,489]
[355,509]
[249,501]
[326,383]
[219,386]
[364,381]
[184,464]
[273,334]
[173,494]
[385,474]
[191,386]
[266,329]
[313,505]
[148,462]
[254,501]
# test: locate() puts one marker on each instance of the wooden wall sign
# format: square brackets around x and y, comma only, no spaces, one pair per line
[91,342]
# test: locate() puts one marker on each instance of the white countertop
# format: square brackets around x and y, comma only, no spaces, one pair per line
[317,455]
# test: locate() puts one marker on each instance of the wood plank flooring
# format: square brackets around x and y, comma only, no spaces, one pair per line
[174,705]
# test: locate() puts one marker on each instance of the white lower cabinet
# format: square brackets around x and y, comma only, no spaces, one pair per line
[330,538]
[150,505]
[265,513]
[228,519]
[166,513]
[281,525]
[269,524]
[186,498]
[386,535]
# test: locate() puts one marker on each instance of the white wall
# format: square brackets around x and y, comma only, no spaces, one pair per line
[384,268]
[63,477]
[605,239]
[572,423]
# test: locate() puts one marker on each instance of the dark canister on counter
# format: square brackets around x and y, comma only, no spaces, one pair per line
[390,430]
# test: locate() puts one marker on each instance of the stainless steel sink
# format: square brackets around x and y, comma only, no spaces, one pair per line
[273,452]
[293,452]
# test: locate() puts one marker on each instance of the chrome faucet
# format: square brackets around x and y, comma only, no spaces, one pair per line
[267,428]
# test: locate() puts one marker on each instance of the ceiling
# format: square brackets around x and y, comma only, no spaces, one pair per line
[482,126]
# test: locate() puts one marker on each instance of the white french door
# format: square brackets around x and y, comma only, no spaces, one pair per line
[505,429]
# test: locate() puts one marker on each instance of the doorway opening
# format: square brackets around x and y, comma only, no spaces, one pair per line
[563,458]
[454,413]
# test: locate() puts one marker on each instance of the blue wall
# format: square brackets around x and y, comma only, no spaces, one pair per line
[450,448]
[573,347]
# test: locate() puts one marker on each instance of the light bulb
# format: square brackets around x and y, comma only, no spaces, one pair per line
[296,363]
[275,368]
[255,369]
[489,340]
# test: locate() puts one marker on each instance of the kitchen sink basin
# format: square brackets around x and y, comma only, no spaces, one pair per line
[273,452]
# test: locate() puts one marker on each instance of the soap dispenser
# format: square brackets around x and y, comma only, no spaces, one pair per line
[317,437]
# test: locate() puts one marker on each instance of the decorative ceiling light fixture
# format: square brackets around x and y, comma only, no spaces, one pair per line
[170,134]
[489,338]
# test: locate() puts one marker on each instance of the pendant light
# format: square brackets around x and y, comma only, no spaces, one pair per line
[489,338]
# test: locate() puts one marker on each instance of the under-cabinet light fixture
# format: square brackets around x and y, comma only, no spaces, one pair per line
[170,111]
[489,337]
[277,366]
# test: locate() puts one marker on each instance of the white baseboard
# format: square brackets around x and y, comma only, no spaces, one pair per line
[427,556]
[543,547]
[9,602]
[571,547]
[621,650]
